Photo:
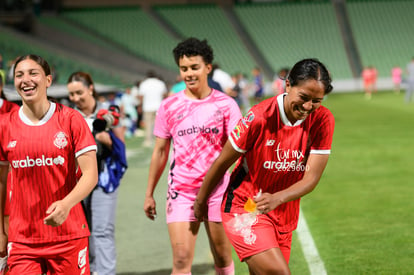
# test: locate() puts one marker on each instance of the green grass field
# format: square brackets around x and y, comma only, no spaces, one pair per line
[360,215]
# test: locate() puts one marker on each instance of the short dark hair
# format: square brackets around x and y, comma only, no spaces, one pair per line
[310,68]
[193,47]
[38,59]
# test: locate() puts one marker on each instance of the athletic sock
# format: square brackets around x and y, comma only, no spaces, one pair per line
[228,270]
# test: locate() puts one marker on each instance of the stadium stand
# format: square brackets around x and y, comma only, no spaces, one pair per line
[383,31]
[129,27]
[287,32]
[13,45]
[209,22]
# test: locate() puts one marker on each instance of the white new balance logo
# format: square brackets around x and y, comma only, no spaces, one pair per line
[270,142]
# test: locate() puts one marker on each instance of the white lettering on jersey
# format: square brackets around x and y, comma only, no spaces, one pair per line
[43,161]
[284,160]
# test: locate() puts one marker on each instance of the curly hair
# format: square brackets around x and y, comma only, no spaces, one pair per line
[194,47]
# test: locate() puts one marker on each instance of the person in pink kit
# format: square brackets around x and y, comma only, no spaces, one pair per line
[197,121]
[45,143]
[396,75]
[282,146]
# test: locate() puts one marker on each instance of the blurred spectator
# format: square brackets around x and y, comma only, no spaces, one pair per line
[237,89]
[396,74]
[279,81]
[369,77]
[245,91]
[129,109]
[410,81]
[135,94]
[1,62]
[178,86]
[258,84]
[223,79]
[151,91]
[10,71]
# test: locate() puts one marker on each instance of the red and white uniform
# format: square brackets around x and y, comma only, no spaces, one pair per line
[275,155]
[7,106]
[43,167]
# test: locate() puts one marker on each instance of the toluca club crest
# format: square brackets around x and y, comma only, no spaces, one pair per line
[60,140]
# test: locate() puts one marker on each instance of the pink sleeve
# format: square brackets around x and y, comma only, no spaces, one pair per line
[235,116]
[160,126]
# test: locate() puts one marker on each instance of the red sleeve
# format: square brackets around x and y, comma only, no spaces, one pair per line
[322,130]
[246,132]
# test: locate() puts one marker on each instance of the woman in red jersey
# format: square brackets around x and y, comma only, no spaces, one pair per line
[282,146]
[5,105]
[45,143]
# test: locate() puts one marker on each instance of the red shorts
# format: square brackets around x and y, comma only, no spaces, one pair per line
[260,235]
[68,257]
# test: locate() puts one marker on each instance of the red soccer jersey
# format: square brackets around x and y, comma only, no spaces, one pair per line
[7,106]
[275,155]
[43,161]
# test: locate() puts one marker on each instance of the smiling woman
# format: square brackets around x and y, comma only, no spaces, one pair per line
[282,146]
[46,143]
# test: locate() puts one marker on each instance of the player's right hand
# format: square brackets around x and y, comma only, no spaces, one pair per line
[149,208]
[200,210]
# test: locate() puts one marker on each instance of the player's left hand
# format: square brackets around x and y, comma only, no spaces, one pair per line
[57,213]
[266,203]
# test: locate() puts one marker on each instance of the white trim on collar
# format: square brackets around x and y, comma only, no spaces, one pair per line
[282,112]
[45,118]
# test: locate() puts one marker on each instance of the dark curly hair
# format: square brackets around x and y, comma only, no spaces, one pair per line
[193,47]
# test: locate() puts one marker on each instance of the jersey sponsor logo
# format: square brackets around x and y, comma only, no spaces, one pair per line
[198,130]
[12,144]
[43,161]
[61,140]
[288,160]
[285,166]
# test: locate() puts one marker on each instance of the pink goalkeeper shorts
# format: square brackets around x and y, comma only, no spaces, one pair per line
[179,207]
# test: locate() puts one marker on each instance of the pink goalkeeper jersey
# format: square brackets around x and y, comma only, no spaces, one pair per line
[199,130]
[275,154]
[43,161]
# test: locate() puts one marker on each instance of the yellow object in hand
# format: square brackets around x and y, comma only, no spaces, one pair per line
[250,205]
